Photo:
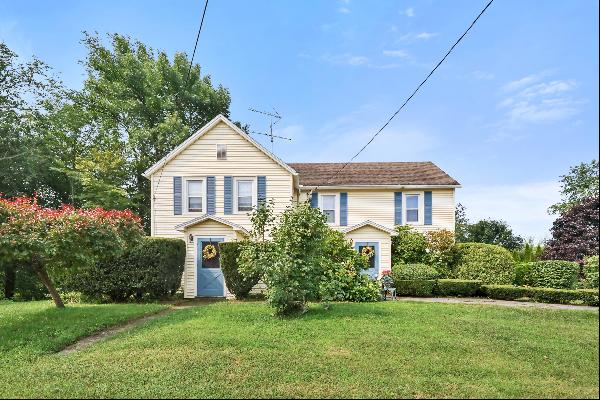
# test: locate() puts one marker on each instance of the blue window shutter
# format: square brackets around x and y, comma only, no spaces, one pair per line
[428,208]
[314,200]
[210,195]
[261,189]
[343,209]
[177,195]
[398,208]
[228,195]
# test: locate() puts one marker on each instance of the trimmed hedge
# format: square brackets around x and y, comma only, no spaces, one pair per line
[416,288]
[238,284]
[555,274]
[457,287]
[485,262]
[151,270]
[409,272]
[543,295]
[590,272]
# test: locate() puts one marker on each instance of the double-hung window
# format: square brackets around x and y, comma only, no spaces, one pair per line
[195,195]
[221,152]
[244,189]
[328,207]
[412,208]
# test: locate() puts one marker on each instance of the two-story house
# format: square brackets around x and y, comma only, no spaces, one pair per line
[204,190]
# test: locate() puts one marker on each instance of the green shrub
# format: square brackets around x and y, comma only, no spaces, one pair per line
[151,270]
[551,274]
[542,295]
[415,288]
[441,250]
[237,283]
[488,263]
[343,278]
[590,272]
[408,246]
[414,272]
[457,287]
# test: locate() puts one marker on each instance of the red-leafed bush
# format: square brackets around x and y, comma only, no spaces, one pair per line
[575,233]
[65,237]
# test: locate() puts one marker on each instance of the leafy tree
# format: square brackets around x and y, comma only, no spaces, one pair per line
[581,183]
[292,265]
[461,223]
[144,104]
[65,238]
[575,233]
[494,232]
[27,92]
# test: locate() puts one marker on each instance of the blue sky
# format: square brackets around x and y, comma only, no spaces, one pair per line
[512,108]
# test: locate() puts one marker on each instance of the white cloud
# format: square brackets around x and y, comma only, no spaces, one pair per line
[344,10]
[531,100]
[524,205]
[413,37]
[396,53]
[357,61]
[409,12]
[425,35]
[346,59]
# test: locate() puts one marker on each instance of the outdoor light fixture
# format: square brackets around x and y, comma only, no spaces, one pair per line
[191,238]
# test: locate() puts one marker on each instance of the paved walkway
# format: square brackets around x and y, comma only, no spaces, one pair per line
[113,330]
[503,303]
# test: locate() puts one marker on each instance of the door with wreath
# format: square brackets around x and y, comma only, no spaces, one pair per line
[369,250]
[209,278]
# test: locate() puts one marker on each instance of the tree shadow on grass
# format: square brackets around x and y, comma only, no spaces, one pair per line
[50,329]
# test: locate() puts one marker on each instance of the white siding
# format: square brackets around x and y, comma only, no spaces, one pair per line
[377,205]
[369,234]
[200,160]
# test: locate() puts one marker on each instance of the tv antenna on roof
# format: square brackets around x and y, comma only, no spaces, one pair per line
[274,119]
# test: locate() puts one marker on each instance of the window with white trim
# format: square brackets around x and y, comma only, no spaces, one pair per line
[412,208]
[221,152]
[328,207]
[244,194]
[195,195]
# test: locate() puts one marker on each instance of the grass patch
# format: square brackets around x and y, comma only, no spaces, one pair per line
[30,329]
[387,349]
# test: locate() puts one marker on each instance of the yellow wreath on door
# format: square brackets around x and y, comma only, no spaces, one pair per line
[209,252]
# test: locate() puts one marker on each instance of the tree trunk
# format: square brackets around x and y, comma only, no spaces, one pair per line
[43,275]
[10,280]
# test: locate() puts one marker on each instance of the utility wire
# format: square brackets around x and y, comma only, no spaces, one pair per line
[184,87]
[409,97]
[196,44]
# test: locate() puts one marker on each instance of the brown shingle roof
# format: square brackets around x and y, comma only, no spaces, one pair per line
[372,173]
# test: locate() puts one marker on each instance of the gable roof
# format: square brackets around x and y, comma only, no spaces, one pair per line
[374,225]
[373,174]
[214,122]
[207,217]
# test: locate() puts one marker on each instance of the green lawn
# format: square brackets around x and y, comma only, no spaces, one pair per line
[390,349]
[31,329]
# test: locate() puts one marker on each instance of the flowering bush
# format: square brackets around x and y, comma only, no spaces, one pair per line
[65,237]
[441,249]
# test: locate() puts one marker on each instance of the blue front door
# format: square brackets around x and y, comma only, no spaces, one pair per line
[373,270]
[209,278]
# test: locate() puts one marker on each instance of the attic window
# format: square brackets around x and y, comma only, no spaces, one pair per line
[221,152]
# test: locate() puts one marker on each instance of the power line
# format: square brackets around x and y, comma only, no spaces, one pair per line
[196,44]
[184,87]
[411,96]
